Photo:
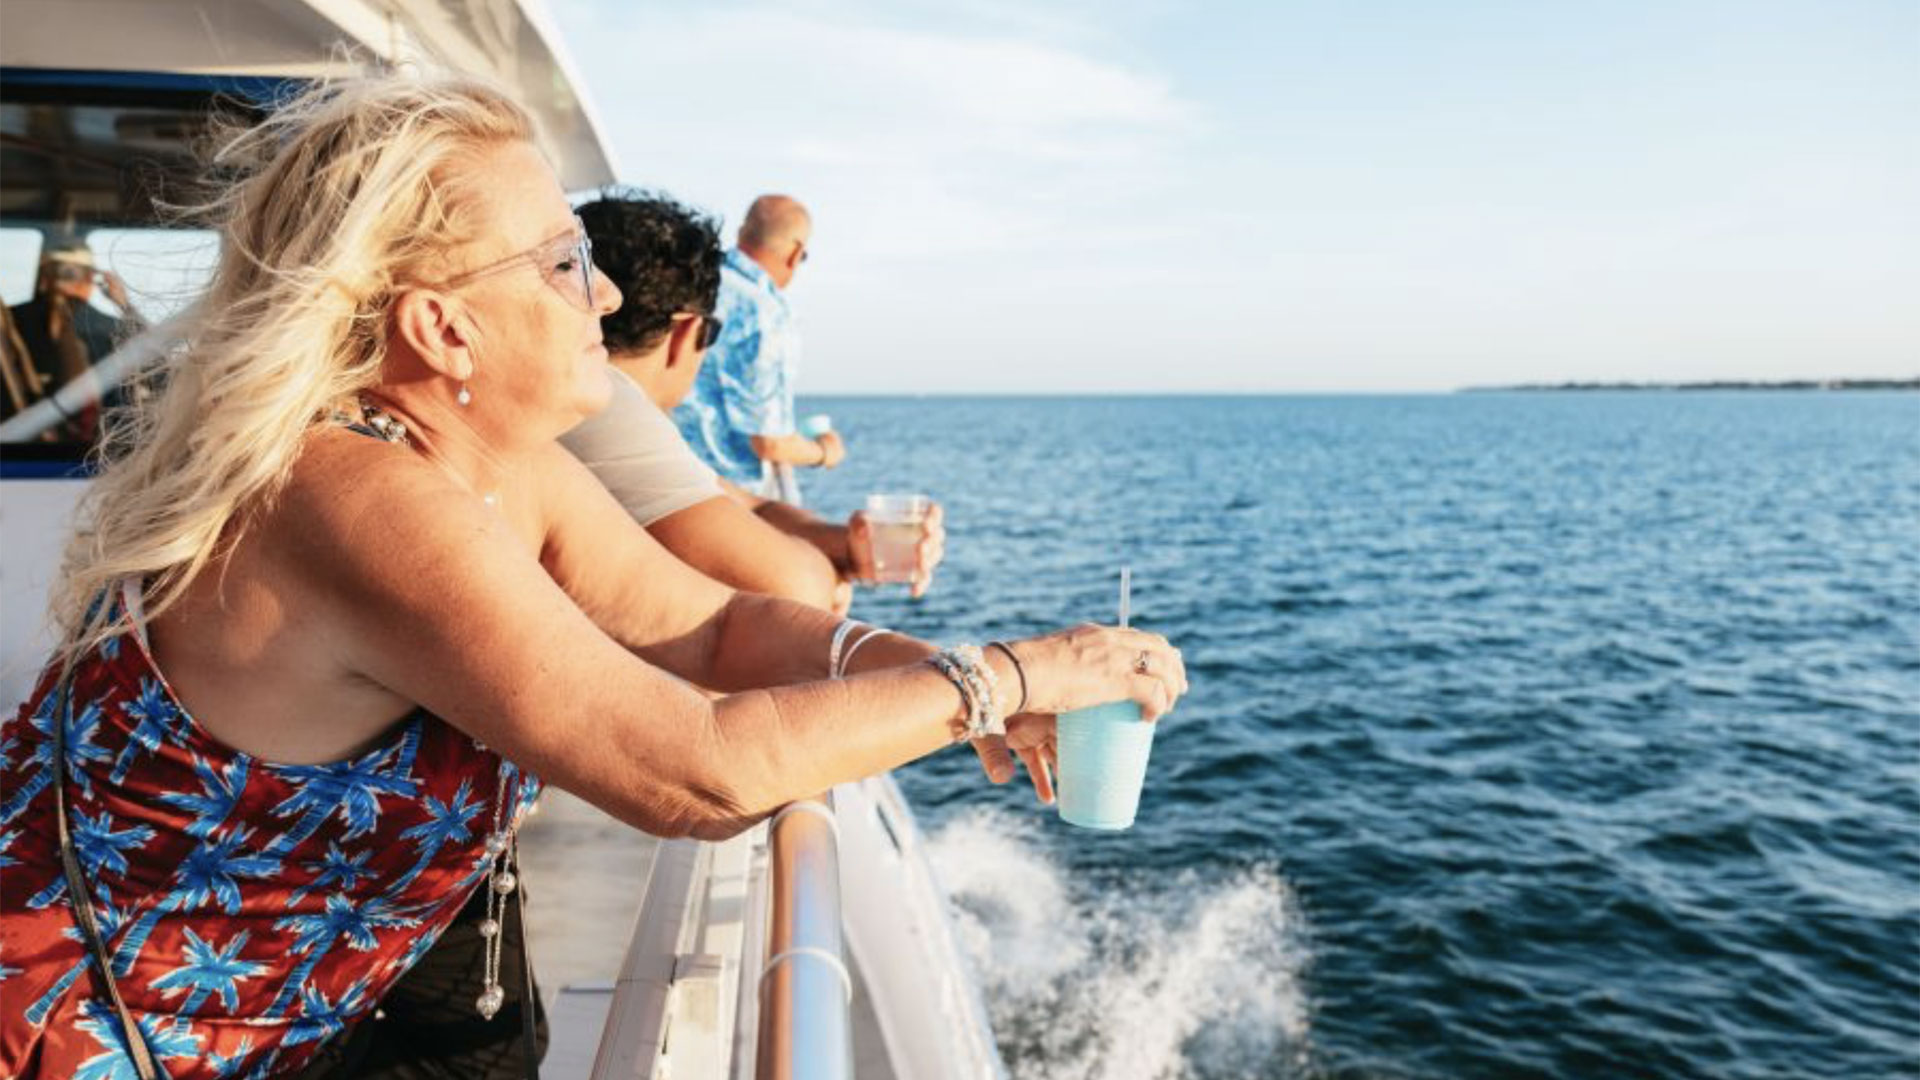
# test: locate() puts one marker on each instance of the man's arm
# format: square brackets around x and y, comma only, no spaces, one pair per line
[757,400]
[796,449]
[724,540]
[827,537]
[849,546]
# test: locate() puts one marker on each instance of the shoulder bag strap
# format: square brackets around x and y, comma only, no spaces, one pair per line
[78,892]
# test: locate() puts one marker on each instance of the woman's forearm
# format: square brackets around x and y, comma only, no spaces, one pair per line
[790,742]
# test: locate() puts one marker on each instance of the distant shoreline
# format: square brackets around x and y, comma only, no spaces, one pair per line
[1791,384]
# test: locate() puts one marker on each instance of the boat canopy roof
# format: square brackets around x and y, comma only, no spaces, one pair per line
[146,42]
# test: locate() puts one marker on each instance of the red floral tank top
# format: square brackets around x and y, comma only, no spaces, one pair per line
[252,910]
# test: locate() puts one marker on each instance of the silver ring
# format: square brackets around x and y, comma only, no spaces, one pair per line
[1140,663]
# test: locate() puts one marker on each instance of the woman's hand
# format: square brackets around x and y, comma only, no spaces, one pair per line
[1031,737]
[1092,665]
[1075,669]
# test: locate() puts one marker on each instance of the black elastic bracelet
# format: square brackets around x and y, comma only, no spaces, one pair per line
[1017,670]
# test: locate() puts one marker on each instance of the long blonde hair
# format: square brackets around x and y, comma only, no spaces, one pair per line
[325,209]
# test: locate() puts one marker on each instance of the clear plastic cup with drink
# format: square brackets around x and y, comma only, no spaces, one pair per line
[895,523]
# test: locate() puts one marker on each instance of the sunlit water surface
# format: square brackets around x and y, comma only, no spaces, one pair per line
[1531,735]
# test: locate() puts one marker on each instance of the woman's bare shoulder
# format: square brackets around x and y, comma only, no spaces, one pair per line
[350,497]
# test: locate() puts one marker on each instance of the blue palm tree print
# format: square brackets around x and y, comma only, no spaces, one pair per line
[111,919]
[6,841]
[316,934]
[164,1041]
[351,789]
[417,949]
[337,868]
[446,824]
[100,848]
[321,1019]
[80,752]
[209,970]
[208,876]
[219,792]
[156,716]
[225,1066]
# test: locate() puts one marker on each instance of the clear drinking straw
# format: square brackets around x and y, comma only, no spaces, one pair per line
[1126,595]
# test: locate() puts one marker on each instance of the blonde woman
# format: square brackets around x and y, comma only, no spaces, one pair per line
[338,599]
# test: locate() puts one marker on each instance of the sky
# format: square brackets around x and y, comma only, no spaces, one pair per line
[1123,196]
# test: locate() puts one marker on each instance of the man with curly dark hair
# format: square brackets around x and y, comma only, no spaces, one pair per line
[665,258]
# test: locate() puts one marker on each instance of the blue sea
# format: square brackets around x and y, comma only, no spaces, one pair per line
[1531,735]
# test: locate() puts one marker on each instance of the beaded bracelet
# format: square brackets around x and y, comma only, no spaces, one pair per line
[987,684]
[967,671]
[951,671]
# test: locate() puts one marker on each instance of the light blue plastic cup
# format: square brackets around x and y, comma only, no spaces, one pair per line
[816,425]
[1103,764]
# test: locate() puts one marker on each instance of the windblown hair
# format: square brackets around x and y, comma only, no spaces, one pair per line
[325,209]
[663,256]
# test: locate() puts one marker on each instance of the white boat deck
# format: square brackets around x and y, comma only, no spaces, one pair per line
[585,873]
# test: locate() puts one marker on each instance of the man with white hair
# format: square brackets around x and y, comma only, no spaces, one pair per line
[740,415]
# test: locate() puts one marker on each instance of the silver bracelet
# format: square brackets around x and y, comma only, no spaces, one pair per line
[846,658]
[833,650]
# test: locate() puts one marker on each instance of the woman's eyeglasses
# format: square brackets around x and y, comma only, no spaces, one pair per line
[564,262]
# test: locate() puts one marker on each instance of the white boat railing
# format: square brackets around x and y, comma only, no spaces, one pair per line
[713,916]
[676,999]
[806,991]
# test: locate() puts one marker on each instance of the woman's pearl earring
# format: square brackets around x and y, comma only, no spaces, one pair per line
[464,397]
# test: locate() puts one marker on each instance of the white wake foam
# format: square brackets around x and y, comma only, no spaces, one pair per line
[1175,978]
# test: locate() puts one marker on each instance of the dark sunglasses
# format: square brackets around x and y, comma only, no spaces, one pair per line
[709,332]
[73,272]
[709,328]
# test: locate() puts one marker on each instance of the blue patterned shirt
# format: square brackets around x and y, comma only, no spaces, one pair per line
[745,387]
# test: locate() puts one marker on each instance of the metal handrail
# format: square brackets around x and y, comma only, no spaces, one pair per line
[806,992]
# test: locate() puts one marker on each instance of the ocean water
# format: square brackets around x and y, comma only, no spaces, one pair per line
[1558,735]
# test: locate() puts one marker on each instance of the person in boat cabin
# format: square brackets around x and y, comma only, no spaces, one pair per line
[337,605]
[740,414]
[665,259]
[62,333]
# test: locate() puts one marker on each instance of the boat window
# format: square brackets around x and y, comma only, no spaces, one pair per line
[19,254]
[87,173]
